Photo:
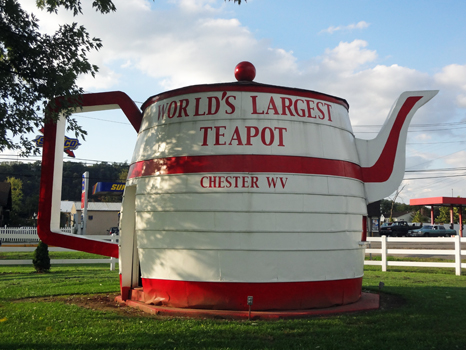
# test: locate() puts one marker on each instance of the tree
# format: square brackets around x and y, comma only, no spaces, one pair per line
[41,259]
[418,217]
[35,68]
[396,194]
[444,215]
[16,199]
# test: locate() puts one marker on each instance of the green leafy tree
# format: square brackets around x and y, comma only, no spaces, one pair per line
[41,259]
[418,217]
[444,215]
[16,200]
[36,67]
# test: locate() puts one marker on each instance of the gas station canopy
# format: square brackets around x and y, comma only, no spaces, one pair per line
[439,201]
[442,202]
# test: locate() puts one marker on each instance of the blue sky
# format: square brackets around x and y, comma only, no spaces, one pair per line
[367,52]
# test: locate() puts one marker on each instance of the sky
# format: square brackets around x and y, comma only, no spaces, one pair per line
[367,52]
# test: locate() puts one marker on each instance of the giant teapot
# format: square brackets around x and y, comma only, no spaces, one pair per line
[241,189]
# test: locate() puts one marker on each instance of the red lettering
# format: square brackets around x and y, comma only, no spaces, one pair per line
[202,181]
[212,180]
[210,109]
[183,108]
[286,105]
[218,135]
[172,109]
[249,135]
[271,182]
[300,112]
[267,134]
[318,104]
[272,106]
[310,109]
[227,181]
[254,106]
[196,109]
[271,136]
[229,104]
[206,131]
[220,181]
[274,180]
[236,137]
[328,109]
[161,109]
[280,136]
[283,183]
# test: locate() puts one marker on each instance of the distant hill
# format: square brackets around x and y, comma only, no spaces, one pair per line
[29,174]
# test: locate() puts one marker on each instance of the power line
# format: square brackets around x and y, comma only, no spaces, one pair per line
[104,120]
[433,177]
[412,125]
[4,158]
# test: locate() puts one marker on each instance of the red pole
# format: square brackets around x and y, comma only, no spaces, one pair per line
[432,215]
[451,213]
[461,221]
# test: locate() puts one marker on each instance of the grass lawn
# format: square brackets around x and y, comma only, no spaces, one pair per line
[37,311]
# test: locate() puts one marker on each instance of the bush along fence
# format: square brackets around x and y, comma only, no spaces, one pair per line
[455,251]
[25,239]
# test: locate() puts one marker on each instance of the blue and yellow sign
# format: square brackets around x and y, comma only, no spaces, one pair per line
[108,188]
[69,145]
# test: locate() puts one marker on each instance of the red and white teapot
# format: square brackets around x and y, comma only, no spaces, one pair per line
[241,189]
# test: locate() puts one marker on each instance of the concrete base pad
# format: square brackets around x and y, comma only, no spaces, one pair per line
[368,301]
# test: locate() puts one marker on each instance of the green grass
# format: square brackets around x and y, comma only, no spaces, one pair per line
[432,316]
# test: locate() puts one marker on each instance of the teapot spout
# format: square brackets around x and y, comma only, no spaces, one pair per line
[383,159]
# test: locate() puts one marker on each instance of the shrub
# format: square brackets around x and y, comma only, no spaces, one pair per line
[41,259]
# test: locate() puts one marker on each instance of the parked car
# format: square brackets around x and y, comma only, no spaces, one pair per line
[432,231]
[397,229]
[113,231]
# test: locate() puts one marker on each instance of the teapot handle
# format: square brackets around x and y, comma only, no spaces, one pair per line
[48,222]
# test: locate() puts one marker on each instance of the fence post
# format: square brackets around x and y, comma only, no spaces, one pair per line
[112,259]
[458,255]
[384,253]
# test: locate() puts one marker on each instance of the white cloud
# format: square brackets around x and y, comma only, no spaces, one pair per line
[457,159]
[359,25]
[453,77]
[199,42]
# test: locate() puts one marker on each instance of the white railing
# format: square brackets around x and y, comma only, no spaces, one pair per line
[27,240]
[384,252]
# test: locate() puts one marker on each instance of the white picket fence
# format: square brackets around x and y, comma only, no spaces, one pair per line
[384,252]
[14,234]
[28,236]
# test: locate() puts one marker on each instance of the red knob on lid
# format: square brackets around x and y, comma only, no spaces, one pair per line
[245,71]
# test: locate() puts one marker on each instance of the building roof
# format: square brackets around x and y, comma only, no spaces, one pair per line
[99,206]
[438,201]
[65,206]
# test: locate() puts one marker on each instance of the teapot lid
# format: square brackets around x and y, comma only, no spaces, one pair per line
[245,72]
